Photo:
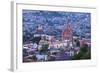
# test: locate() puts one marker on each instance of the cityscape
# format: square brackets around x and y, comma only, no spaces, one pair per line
[55,36]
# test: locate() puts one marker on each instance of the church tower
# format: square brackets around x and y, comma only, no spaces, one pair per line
[67,33]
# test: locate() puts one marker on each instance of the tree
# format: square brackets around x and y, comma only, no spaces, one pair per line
[44,48]
[85,53]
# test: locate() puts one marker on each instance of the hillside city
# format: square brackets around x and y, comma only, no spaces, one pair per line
[56,36]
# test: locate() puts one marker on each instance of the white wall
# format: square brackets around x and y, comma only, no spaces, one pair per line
[5,34]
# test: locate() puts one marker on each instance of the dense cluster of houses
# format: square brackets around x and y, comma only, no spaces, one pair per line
[50,48]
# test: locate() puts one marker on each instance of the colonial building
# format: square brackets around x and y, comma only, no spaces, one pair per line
[67,32]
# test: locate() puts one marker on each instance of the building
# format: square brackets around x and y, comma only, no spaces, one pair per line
[67,33]
[85,41]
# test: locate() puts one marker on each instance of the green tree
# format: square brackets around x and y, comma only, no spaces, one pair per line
[44,48]
[85,53]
